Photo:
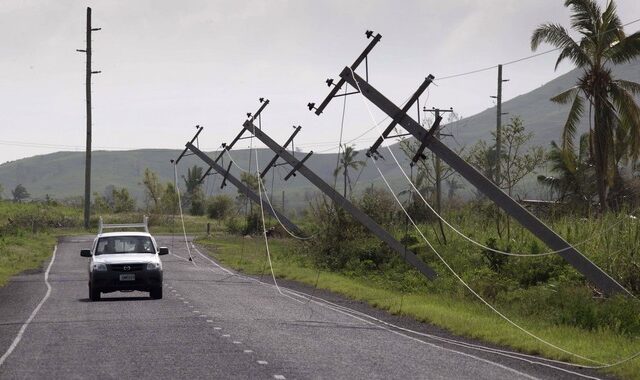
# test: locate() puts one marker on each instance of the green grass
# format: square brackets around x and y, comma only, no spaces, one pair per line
[24,252]
[460,315]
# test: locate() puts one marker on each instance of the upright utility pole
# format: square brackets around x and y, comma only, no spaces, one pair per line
[87,166]
[499,113]
[438,169]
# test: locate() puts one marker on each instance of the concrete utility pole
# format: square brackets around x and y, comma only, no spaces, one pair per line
[581,263]
[87,166]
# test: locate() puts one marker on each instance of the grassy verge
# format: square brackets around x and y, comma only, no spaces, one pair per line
[459,315]
[22,252]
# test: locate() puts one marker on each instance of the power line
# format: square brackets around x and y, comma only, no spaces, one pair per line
[516,60]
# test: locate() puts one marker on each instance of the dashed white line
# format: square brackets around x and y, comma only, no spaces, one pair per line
[248,351]
[217,328]
[262,362]
[196,311]
[279,377]
[18,337]
[210,320]
[226,335]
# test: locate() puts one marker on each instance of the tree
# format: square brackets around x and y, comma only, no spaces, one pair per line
[516,164]
[169,199]
[615,113]
[219,207]
[114,200]
[574,179]
[152,190]
[193,184]
[20,193]
[122,201]
[348,161]
[251,181]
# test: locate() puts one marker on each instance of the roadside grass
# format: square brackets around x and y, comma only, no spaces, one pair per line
[25,251]
[459,315]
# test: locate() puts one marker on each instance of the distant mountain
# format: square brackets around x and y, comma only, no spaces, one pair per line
[540,115]
[61,174]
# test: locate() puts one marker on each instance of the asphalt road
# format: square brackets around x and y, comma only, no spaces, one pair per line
[215,324]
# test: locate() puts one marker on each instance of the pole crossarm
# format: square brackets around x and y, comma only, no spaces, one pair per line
[184,152]
[242,187]
[227,147]
[341,82]
[275,158]
[225,175]
[424,143]
[374,148]
[295,168]
[581,263]
[410,257]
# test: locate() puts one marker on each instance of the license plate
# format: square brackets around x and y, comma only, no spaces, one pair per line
[128,277]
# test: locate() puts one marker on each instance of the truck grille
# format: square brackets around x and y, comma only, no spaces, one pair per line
[126,268]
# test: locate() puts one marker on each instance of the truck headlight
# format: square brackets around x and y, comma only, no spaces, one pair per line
[154,266]
[99,267]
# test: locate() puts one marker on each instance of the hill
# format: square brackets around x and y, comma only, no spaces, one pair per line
[61,174]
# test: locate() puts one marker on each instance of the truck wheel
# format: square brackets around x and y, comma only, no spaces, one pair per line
[94,294]
[156,293]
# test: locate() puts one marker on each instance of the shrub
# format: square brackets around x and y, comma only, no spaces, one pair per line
[219,207]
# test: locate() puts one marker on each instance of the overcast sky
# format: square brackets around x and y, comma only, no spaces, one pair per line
[169,65]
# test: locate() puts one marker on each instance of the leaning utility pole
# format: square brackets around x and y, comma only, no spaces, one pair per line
[427,141]
[87,166]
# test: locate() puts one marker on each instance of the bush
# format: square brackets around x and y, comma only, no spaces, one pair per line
[219,207]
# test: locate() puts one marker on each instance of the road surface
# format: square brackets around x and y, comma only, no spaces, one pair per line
[215,324]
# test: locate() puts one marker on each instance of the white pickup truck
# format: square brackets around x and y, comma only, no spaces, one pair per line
[124,261]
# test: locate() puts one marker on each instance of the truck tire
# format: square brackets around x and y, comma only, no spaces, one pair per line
[156,293]
[94,294]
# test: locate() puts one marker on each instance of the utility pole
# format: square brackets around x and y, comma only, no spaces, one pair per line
[438,168]
[499,113]
[426,137]
[87,165]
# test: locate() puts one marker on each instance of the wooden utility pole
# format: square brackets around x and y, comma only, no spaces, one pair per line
[438,170]
[499,113]
[87,166]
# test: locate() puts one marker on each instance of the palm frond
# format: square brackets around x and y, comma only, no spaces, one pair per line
[626,49]
[566,96]
[585,15]
[628,113]
[626,85]
[571,125]
[556,35]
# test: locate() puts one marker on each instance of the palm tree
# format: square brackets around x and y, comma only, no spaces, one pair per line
[575,176]
[603,43]
[347,161]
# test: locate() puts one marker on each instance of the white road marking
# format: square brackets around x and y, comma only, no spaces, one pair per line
[185,302]
[279,377]
[217,328]
[226,335]
[262,362]
[18,337]
[237,342]
[248,351]
[210,320]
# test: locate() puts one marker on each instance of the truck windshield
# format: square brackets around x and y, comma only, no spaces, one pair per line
[124,244]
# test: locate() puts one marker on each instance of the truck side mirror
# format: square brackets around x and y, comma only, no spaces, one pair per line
[163,251]
[85,252]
